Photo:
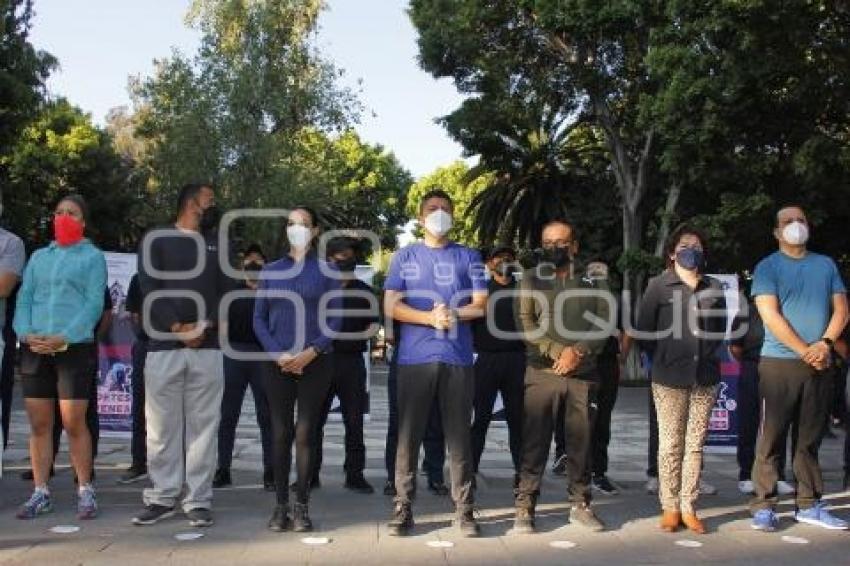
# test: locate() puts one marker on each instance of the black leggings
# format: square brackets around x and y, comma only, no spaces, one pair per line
[309,391]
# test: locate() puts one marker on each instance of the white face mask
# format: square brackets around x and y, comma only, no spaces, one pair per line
[298,236]
[796,233]
[438,223]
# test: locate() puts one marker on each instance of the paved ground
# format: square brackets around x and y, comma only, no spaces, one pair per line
[355,524]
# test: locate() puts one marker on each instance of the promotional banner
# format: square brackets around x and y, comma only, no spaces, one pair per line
[723,427]
[115,362]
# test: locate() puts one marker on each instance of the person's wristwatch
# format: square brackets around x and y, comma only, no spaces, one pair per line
[319,351]
[828,341]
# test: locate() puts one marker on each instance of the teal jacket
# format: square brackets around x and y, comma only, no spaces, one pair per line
[62,292]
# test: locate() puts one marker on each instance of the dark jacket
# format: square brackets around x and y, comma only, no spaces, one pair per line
[682,354]
[541,333]
[503,318]
[351,324]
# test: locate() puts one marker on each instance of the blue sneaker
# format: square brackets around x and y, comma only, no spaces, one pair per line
[819,516]
[86,504]
[38,504]
[765,520]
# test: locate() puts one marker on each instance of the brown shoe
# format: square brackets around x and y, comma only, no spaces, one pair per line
[693,523]
[670,521]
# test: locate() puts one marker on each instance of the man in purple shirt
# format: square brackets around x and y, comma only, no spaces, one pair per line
[435,288]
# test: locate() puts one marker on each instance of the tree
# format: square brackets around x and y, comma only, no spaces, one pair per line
[689,97]
[60,152]
[233,113]
[23,72]
[454,180]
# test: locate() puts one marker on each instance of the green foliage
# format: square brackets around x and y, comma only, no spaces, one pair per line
[23,72]
[718,111]
[257,111]
[454,180]
[61,151]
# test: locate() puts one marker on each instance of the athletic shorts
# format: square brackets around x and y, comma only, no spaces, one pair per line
[64,375]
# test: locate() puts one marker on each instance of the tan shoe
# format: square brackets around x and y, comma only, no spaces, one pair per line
[693,523]
[670,521]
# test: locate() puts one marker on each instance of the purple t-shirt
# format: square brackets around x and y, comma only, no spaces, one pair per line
[427,275]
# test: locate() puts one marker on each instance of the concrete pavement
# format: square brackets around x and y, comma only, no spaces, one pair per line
[355,524]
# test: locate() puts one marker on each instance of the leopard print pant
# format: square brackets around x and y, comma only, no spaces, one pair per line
[683,417]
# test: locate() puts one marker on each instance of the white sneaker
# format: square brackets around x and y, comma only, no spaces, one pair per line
[706,488]
[652,486]
[746,487]
[785,488]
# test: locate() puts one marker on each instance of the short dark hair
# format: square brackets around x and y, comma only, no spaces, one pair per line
[435,193]
[188,193]
[677,234]
[786,206]
[564,222]
[496,251]
[254,249]
[342,244]
[77,199]
[315,219]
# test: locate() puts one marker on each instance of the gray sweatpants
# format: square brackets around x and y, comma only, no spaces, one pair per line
[182,408]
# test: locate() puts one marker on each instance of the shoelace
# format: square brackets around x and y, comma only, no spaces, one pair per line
[87,499]
[35,500]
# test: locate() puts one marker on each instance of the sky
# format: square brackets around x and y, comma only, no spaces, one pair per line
[100,43]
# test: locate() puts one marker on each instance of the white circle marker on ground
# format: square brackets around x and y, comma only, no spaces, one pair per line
[64,529]
[440,543]
[795,540]
[188,536]
[315,540]
[689,543]
[563,544]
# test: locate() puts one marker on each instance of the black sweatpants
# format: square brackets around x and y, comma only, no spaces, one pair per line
[138,441]
[608,367]
[498,372]
[433,442]
[749,411]
[349,385]
[545,391]
[652,447]
[790,392]
[238,376]
[284,391]
[7,379]
[453,388]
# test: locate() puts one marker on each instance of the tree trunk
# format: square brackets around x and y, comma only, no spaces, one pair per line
[666,218]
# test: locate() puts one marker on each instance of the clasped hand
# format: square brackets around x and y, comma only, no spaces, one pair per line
[817,355]
[295,364]
[568,361]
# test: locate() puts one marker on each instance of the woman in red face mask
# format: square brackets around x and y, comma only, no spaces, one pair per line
[59,304]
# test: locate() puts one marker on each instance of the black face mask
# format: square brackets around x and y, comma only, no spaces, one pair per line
[253,267]
[347,265]
[560,257]
[209,218]
[506,269]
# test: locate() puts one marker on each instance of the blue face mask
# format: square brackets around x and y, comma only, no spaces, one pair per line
[690,258]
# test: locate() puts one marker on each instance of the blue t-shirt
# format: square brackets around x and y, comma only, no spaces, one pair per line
[804,288]
[426,275]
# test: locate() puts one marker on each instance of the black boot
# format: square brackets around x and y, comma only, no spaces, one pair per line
[280,520]
[356,482]
[268,480]
[222,478]
[301,522]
